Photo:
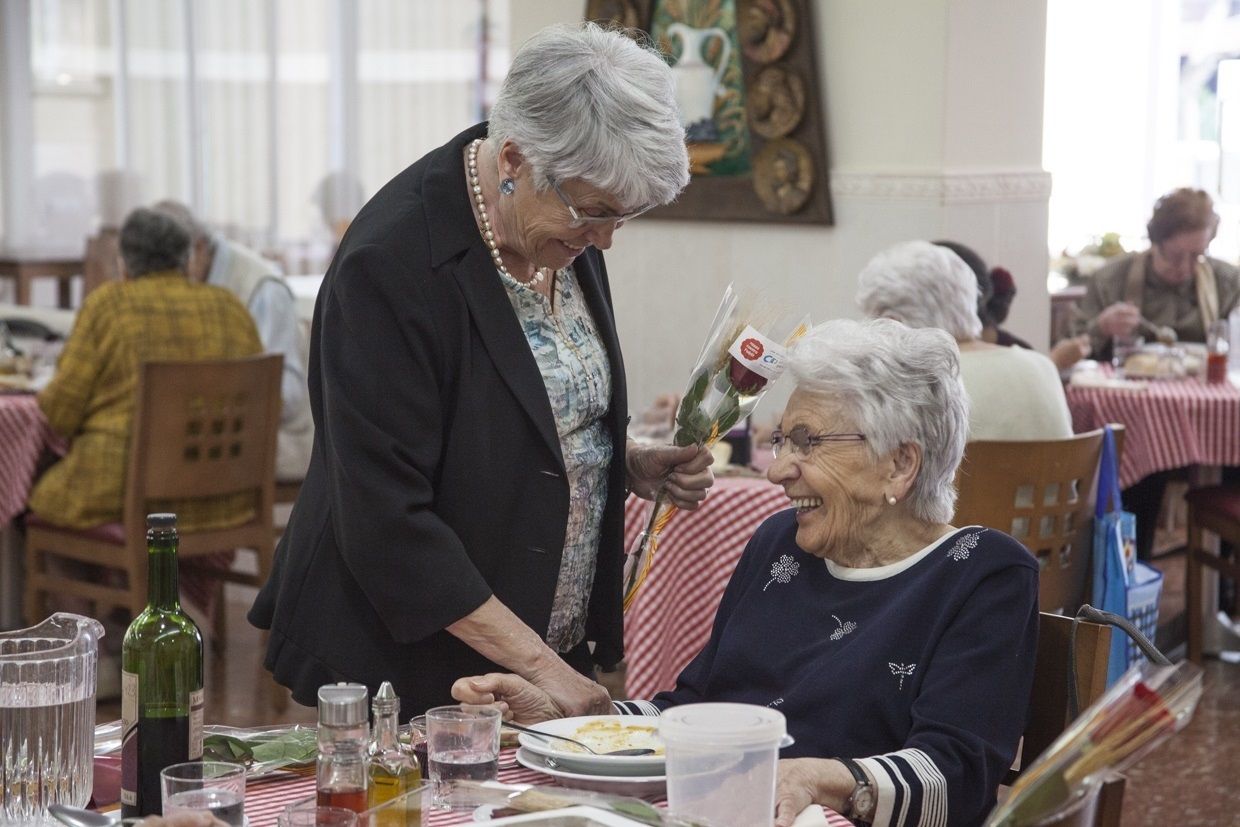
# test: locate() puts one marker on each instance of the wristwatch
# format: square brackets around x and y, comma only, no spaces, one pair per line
[859,806]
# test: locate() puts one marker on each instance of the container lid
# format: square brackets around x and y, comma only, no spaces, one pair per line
[725,725]
[343,704]
[386,702]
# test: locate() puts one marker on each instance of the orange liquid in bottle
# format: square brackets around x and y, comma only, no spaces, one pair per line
[1216,368]
[350,798]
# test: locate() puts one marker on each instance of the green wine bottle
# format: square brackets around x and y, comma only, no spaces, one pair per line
[161,679]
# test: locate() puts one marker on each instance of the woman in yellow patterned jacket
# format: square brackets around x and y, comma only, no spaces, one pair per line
[153,314]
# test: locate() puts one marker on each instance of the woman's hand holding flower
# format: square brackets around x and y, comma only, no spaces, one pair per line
[682,472]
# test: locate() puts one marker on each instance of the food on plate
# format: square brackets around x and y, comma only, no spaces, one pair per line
[609,735]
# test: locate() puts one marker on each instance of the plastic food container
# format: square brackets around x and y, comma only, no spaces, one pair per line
[721,762]
[47,716]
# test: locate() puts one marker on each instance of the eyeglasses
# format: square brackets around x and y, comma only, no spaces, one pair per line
[583,217]
[803,441]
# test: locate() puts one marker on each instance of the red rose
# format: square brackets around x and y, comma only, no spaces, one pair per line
[743,379]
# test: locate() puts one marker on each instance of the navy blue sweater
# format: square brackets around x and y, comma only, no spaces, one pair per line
[921,670]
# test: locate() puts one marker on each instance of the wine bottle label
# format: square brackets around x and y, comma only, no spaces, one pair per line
[129,739]
[196,701]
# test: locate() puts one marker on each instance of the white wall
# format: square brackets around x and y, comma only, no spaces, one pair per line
[934,123]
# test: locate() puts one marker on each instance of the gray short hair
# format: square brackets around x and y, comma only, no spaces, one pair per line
[590,103]
[922,285]
[152,242]
[175,209]
[903,386]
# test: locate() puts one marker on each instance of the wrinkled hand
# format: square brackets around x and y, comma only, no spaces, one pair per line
[684,473]
[1120,319]
[1067,352]
[516,698]
[203,819]
[804,781]
[571,692]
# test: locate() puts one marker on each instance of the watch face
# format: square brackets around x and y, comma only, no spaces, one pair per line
[864,803]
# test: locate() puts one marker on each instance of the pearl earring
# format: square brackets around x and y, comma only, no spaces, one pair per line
[891,500]
[508,186]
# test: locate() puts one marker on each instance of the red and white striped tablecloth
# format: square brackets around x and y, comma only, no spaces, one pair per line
[1168,424]
[670,620]
[24,433]
[266,798]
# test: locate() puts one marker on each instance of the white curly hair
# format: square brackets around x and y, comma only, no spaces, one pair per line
[922,285]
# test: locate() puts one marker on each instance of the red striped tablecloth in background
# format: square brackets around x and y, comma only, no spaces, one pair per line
[670,620]
[1168,424]
[24,433]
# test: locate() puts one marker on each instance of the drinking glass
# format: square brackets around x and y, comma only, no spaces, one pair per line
[1122,347]
[417,739]
[462,745]
[216,787]
[315,816]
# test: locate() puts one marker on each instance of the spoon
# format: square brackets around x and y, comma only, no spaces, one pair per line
[78,817]
[633,751]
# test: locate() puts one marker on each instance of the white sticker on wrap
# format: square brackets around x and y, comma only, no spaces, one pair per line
[763,356]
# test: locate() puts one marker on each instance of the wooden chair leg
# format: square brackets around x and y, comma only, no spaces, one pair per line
[1110,802]
[1193,587]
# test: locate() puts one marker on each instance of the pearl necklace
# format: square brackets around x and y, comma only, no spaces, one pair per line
[487,234]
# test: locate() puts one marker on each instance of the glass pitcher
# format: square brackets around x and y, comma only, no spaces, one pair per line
[47,716]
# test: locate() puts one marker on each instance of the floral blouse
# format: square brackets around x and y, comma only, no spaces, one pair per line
[575,371]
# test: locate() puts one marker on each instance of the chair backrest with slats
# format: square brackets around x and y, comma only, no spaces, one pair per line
[1041,493]
[205,429]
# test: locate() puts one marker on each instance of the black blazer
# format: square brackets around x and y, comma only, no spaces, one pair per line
[436,478]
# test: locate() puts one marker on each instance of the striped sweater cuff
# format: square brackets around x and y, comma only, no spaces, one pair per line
[911,790]
[635,708]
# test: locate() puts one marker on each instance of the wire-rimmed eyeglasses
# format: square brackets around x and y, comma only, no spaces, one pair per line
[803,441]
[583,217]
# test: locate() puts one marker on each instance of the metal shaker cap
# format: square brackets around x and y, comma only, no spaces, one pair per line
[386,702]
[342,704]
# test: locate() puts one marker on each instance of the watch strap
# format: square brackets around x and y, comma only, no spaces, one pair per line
[863,783]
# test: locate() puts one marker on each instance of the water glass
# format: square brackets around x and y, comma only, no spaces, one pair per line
[417,740]
[462,745]
[211,786]
[315,816]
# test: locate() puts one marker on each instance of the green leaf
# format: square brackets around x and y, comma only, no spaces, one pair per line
[226,748]
[638,811]
[290,747]
[689,404]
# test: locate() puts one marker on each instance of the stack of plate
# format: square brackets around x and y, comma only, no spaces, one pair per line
[640,775]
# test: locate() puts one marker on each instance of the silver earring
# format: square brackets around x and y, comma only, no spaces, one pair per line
[891,500]
[508,186]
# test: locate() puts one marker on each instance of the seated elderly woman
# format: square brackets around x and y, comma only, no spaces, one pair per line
[906,645]
[1014,394]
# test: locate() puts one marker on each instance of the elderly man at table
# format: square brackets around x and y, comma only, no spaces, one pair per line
[906,652]
[1014,393]
[257,282]
[1172,284]
[153,313]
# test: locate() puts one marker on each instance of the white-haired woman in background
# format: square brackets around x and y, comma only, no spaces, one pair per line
[903,646]
[1014,393]
[463,510]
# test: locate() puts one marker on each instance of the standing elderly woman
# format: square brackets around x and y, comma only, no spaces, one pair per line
[463,508]
[906,645]
[1014,394]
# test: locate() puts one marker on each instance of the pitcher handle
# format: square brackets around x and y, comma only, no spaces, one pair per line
[726,53]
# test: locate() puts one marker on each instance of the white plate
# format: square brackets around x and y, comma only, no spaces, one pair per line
[641,785]
[115,815]
[603,733]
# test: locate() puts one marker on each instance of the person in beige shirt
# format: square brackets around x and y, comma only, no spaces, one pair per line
[1173,284]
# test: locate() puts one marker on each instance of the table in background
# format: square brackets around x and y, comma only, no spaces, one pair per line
[24,268]
[1168,424]
[671,618]
[24,435]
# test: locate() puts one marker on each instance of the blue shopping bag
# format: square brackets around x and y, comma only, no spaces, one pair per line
[1114,529]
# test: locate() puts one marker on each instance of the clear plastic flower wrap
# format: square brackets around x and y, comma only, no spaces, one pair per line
[745,351]
[1145,707]
[262,749]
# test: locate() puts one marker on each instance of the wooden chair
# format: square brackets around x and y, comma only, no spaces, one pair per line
[1049,708]
[1215,509]
[1040,492]
[200,429]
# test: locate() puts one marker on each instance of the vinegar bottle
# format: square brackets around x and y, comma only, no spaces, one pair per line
[343,737]
[161,679]
[1217,347]
[393,770]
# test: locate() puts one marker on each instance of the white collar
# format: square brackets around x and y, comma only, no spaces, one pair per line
[892,569]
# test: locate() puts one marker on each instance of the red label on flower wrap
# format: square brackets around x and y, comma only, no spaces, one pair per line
[759,354]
